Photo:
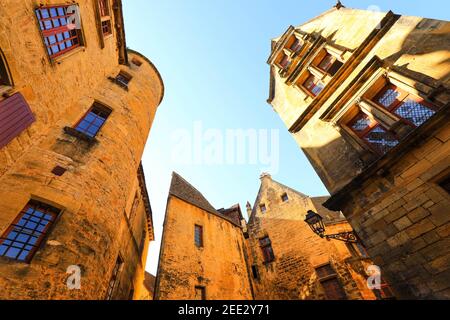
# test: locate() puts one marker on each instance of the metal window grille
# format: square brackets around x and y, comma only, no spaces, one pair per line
[25,235]
[56,35]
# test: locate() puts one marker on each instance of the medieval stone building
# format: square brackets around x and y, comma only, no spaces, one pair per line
[203,253]
[289,261]
[366,96]
[213,254]
[76,108]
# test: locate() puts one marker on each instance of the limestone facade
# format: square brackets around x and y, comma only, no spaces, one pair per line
[91,181]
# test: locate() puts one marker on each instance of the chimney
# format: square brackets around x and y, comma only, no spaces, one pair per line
[265,175]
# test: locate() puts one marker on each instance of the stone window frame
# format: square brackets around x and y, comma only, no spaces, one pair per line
[100,19]
[198,236]
[291,54]
[333,275]
[54,210]
[6,80]
[263,208]
[122,79]
[312,69]
[64,53]
[361,101]
[80,134]
[285,197]
[266,249]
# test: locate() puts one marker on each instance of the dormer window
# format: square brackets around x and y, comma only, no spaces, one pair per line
[330,64]
[263,208]
[285,61]
[313,85]
[296,45]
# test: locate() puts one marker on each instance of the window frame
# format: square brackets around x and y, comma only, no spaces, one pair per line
[46,33]
[6,80]
[202,292]
[308,89]
[41,240]
[105,18]
[285,197]
[267,250]
[198,230]
[102,108]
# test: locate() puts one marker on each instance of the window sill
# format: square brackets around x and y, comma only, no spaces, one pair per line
[68,54]
[80,135]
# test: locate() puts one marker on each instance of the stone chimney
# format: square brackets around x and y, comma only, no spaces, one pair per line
[265,175]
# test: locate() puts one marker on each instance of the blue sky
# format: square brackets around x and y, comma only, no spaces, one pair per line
[212,57]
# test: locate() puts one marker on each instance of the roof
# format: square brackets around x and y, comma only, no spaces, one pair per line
[234,212]
[183,190]
[145,197]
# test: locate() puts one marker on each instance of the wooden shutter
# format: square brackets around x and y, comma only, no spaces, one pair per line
[15,117]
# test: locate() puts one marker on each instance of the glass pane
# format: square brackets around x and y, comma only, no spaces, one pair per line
[388,97]
[382,140]
[414,111]
[325,64]
[362,122]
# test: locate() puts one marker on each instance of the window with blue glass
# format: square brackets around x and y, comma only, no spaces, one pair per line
[58,37]
[94,119]
[26,234]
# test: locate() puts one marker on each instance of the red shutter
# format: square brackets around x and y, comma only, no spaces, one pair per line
[15,116]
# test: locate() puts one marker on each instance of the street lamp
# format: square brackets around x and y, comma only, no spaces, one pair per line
[315,222]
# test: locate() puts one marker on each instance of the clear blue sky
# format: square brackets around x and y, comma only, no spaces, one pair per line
[212,57]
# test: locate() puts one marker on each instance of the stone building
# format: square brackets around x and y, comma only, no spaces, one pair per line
[290,262]
[214,254]
[203,253]
[76,108]
[366,96]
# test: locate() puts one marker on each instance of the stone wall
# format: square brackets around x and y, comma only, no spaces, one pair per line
[97,222]
[219,266]
[298,251]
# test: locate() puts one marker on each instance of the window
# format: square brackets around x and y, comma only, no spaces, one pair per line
[385,292]
[91,123]
[284,197]
[369,130]
[4,76]
[123,79]
[263,208]
[330,64]
[296,45]
[136,62]
[413,110]
[445,184]
[58,38]
[200,293]
[26,234]
[105,17]
[313,85]
[114,278]
[285,61]
[255,272]
[266,247]
[330,283]
[198,236]
[333,289]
